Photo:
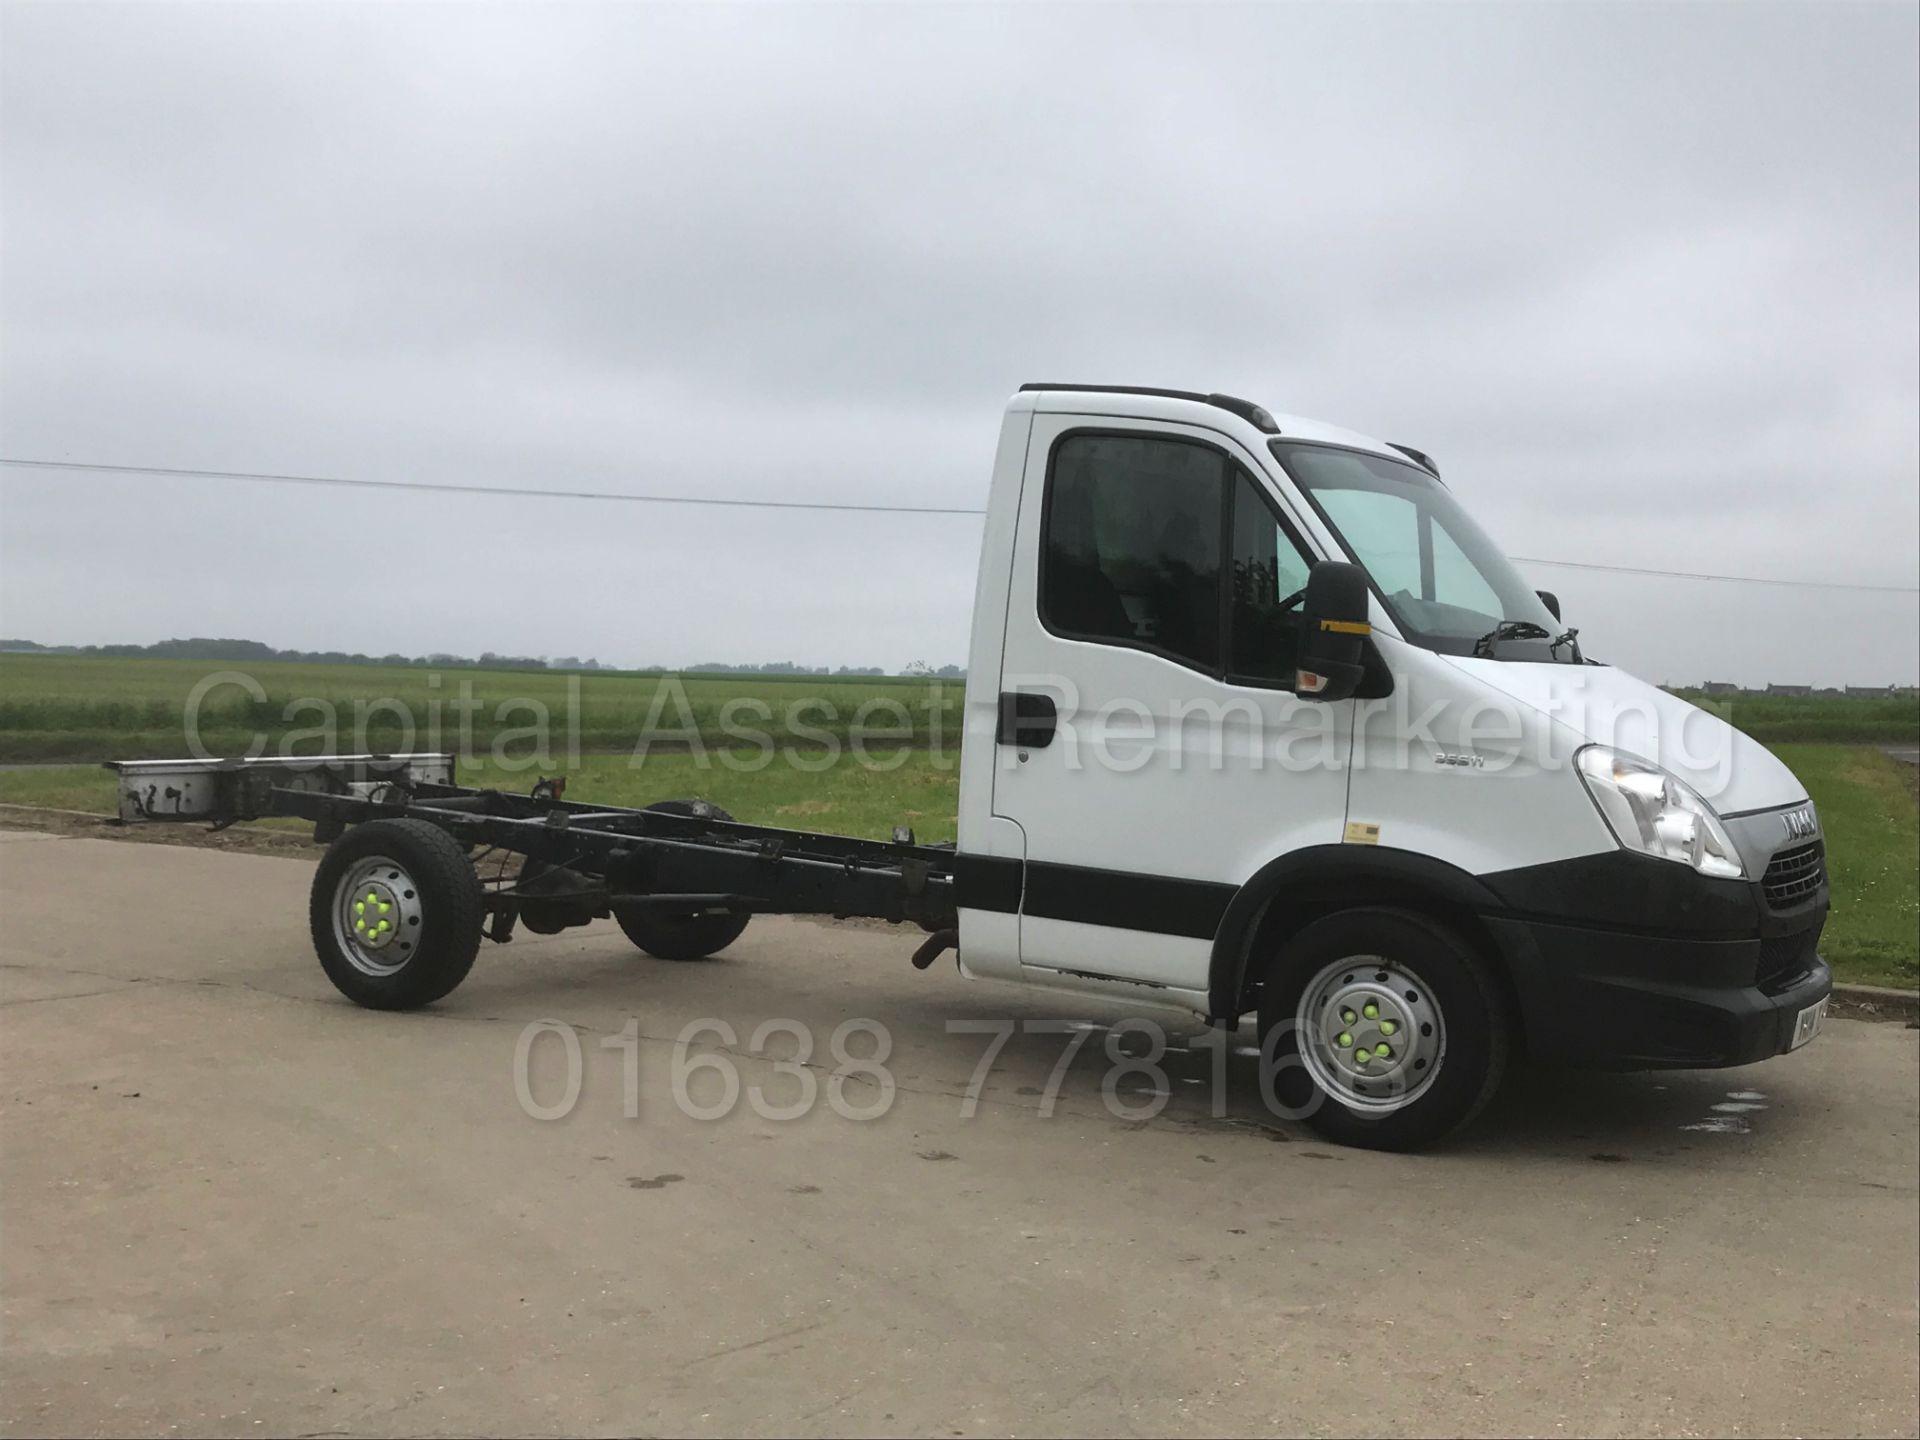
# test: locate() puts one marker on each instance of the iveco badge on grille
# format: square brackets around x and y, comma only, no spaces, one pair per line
[1799,823]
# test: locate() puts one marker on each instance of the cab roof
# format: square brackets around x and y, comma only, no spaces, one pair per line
[1151,402]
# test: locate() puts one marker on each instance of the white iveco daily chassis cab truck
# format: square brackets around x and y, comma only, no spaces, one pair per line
[1258,722]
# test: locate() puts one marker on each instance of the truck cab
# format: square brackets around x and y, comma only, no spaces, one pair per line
[1260,722]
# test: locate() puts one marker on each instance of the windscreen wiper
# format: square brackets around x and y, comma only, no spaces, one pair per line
[1509,630]
[1569,636]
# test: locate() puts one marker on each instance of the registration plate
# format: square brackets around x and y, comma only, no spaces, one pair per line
[1806,1024]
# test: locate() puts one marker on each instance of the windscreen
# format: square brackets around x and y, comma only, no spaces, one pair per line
[1445,583]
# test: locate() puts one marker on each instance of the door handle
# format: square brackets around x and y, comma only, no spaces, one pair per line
[1027,719]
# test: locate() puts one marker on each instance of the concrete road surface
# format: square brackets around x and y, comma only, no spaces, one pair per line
[234,1203]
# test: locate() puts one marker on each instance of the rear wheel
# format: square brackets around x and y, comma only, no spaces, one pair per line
[1386,1028]
[668,934]
[396,911]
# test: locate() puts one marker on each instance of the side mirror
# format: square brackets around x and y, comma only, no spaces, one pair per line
[1333,630]
[1551,601]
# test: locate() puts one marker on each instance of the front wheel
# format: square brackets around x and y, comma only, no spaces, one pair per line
[1386,1029]
[396,913]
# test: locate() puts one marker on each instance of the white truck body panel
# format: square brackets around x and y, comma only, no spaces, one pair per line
[1467,762]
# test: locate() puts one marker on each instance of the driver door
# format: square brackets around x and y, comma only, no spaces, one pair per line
[1146,616]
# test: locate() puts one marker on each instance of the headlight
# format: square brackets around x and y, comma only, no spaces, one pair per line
[1652,812]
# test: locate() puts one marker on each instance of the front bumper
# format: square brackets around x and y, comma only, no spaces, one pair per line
[1604,999]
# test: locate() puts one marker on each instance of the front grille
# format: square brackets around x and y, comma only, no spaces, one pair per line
[1794,875]
[1785,959]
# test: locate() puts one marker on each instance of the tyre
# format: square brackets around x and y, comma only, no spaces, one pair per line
[681,935]
[1386,1028]
[396,913]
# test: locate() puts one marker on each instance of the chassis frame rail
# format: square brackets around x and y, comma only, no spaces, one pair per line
[590,857]
[652,856]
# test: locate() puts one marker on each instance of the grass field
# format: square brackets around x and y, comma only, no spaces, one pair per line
[1872,822]
[1866,801]
[1836,719]
[55,707]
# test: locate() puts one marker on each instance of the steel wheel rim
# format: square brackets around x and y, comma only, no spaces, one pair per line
[377,916]
[1370,1033]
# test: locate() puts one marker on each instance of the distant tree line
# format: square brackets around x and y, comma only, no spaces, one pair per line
[790,667]
[256,651]
[1816,692]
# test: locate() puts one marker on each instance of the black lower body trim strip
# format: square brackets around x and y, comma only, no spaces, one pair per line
[1123,901]
[1117,899]
[987,882]
[1166,905]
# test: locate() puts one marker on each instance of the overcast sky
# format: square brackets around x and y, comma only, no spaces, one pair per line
[1642,279]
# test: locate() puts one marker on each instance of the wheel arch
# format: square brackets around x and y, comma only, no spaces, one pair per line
[1295,889]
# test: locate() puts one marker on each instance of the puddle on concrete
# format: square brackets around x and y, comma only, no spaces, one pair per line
[1729,1117]
[1721,1125]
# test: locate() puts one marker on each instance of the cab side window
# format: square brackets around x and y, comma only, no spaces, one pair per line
[1269,571]
[1168,546]
[1131,545]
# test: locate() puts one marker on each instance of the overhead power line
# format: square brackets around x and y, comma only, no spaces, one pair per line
[454,488]
[1701,575]
[451,487]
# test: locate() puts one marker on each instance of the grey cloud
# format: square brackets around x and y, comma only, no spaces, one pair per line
[1643,277]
